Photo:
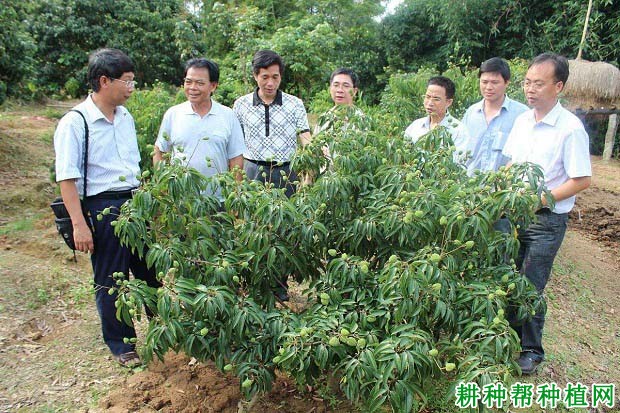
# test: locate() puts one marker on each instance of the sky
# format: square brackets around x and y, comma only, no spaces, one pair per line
[390,5]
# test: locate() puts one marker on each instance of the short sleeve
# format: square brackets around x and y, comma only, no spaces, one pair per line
[301,117]
[69,147]
[238,111]
[163,137]
[576,154]
[236,143]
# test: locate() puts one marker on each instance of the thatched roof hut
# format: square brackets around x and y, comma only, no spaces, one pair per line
[593,85]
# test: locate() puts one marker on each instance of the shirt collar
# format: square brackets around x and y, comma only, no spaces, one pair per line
[93,113]
[258,101]
[447,120]
[188,110]
[479,106]
[552,117]
[507,102]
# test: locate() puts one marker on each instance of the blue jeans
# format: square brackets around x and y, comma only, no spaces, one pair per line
[540,243]
[254,171]
[110,257]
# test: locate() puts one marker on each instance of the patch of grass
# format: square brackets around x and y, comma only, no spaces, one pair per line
[53,113]
[47,137]
[51,408]
[96,394]
[73,290]
[39,299]
[580,294]
[440,398]
[19,225]
[81,293]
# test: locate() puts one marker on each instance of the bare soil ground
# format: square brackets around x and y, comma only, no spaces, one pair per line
[52,358]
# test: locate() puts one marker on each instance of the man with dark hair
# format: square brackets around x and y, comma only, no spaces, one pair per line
[439,96]
[201,132]
[271,121]
[111,175]
[343,85]
[490,121]
[554,139]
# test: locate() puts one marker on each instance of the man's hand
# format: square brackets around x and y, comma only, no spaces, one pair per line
[83,237]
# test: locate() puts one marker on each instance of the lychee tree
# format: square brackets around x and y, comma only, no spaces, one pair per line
[408,283]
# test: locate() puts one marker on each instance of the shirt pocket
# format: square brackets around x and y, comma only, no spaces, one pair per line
[499,140]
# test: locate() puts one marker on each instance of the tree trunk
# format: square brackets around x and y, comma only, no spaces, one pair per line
[610,136]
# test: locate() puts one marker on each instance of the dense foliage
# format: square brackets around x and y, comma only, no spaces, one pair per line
[16,49]
[67,31]
[407,282]
[423,32]
[44,44]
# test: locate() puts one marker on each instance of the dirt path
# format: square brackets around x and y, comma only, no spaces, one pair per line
[52,357]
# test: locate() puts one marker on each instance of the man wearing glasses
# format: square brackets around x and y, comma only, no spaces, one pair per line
[554,139]
[343,88]
[438,98]
[111,175]
[201,132]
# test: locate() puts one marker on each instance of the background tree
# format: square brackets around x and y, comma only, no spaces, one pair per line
[16,47]
[437,33]
[67,31]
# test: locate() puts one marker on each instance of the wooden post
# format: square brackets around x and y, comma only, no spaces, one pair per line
[610,136]
[585,31]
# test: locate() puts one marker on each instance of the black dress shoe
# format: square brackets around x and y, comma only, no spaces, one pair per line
[529,362]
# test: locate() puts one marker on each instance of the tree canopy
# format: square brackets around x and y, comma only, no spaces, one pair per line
[44,45]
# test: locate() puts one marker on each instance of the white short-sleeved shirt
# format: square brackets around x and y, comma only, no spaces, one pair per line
[112,149]
[559,144]
[204,143]
[422,126]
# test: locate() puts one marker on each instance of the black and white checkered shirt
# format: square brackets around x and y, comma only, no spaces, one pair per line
[271,130]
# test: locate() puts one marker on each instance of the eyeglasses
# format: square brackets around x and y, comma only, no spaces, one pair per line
[344,85]
[198,82]
[536,85]
[131,84]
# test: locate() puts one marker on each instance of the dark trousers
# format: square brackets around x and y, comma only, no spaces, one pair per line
[273,173]
[540,243]
[110,257]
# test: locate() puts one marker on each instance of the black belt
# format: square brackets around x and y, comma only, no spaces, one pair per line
[124,194]
[271,164]
[543,211]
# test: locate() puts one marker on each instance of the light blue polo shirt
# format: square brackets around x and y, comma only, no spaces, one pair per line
[204,143]
[487,140]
